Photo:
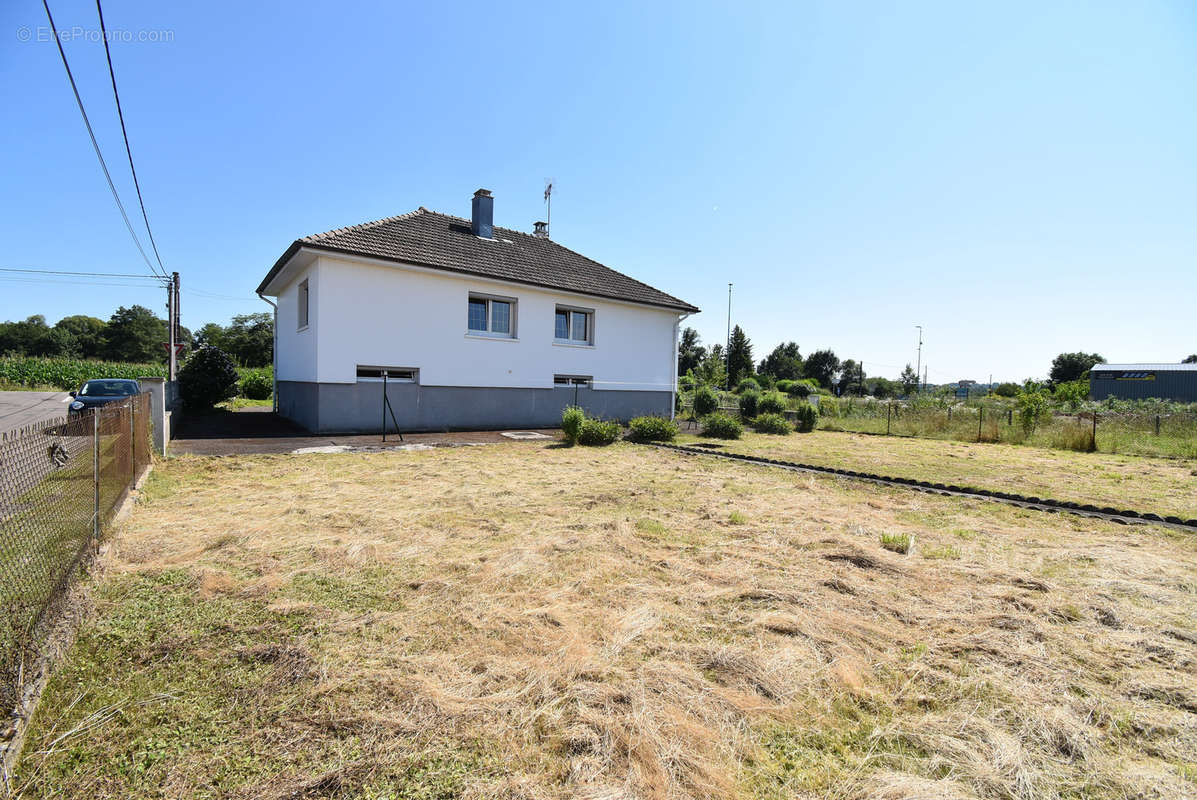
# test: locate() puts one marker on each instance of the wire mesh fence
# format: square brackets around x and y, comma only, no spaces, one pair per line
[61,480]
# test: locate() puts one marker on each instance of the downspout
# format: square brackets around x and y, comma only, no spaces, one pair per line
[677,329]
[273,354]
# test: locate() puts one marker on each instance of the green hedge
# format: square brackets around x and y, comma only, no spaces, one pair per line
[652,429]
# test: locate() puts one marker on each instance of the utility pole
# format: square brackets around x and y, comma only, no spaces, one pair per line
[919,362]
[172,323]
[727,351]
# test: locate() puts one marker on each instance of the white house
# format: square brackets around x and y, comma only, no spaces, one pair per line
[474,326]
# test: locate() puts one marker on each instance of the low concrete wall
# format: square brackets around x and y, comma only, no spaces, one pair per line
[357,407]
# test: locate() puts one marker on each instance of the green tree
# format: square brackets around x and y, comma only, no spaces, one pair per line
[1072,366]
[1190,359]
[909,380]
[689,352]
[713,369]
[21,338]
[135,334]
[739,357]
[823,366]
[88,333]
[883,388]
[784,363]
[211,335]
[851,377]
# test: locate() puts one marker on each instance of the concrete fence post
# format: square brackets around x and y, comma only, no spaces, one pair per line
[159,415]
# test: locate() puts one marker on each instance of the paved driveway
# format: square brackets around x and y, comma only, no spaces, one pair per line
[18,409]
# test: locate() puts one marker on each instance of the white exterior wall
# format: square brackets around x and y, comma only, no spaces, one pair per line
[296,357]
[384,315]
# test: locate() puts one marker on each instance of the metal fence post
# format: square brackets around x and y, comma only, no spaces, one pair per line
[1157,424]
[889,411]
[1094,430]
[95,469]
[980,419]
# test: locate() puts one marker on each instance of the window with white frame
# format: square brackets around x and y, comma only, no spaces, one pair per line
[574,325]
[302,304]
[393,374]
[573,380]
[491,316]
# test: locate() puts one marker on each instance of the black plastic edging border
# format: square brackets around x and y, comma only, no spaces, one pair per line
[1124,517]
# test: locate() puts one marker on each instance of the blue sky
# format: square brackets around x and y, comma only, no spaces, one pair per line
[1018,178]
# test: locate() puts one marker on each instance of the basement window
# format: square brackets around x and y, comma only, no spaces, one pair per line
[302,302]
[488,315]
[573,326]
[574,380]
[393,374]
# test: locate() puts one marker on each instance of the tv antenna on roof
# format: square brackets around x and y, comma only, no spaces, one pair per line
[548,199]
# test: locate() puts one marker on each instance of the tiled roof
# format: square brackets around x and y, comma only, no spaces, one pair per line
[429,239]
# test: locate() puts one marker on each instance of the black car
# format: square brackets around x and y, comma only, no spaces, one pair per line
[103,391]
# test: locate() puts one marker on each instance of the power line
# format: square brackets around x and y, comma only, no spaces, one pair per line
[81,274]
[68,282]
[91,133]
[125,134]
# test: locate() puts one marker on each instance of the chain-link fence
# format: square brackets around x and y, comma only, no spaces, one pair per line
[60,482]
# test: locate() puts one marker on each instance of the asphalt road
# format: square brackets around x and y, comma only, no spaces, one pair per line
[18,409]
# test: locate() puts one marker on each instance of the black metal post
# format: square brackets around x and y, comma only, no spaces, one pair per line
[384,405]
[889,411]
[1094,430]
[980,419]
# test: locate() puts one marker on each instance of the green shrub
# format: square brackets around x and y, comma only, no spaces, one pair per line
[721,426]
[257,384]
[807,418]
[705,401]
[784,385]
[801,388]
[208,377]
[771,423]
[685,383]
[748,385]
[1006,390]
[652,429]
[772,403]
[749,404]
[596,432]
[571,423]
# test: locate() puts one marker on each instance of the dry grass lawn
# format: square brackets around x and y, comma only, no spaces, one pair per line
[530,621]
[1165,486]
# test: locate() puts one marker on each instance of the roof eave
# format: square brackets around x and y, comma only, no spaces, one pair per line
[298,244]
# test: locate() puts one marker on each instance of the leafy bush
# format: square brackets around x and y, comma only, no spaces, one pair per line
[705,401]
[257,384]
[686,383]
[1033,407]
[721,426]
[571,423]
[771,423]
[596,432]
[652,429]
[784,385]
[801,388]
[1006,390]
[772,403]
[807,418]
[748,385]
[207,378]
[1072,393]
[749,404]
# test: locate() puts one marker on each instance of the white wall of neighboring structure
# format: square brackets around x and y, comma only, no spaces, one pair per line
[378,314]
